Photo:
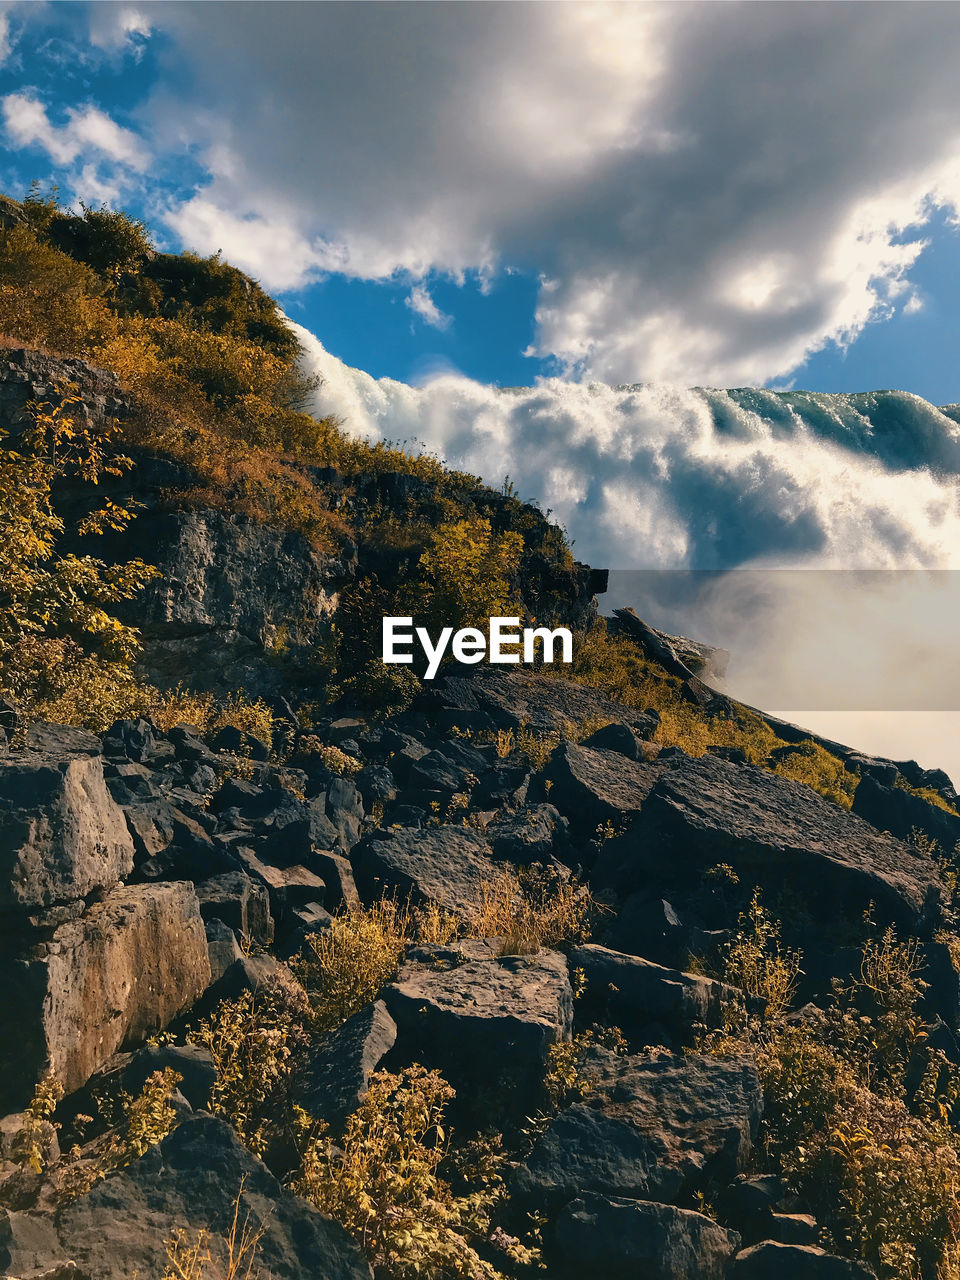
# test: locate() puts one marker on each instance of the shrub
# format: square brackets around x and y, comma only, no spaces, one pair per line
[347,965]
[929,794]
[255,1040]
[528,911]
[192,1257]
[209,714]
[571,1074]
[31,1142]
[467,574]
[383,1182]
[756,961]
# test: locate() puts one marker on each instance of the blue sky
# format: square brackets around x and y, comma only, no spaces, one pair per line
[622,193]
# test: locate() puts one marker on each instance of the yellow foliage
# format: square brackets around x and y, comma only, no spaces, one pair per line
[348,964]
[467,574]
[384,1182]
[812,764]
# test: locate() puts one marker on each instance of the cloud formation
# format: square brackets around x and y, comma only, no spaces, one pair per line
[709,192]
[660,477]
[422,305]
[87,130]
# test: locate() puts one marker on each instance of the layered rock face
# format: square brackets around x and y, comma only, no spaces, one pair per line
[87,963]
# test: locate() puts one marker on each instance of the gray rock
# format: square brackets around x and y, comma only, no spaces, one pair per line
[29,1248]
[535,834]
[487,1023]
[595,787]
[621,738]
[774,1261]
[228,585]
[191,1181]
[517,699]
[793,1228]
[61,740]
[635,1240]
[222,948]
[124,970]
[130,1071]
[898,811]
[773,832]
[657,1126]
[287,887]
[240,902]
[337,874]
[335,1079]
[62,835]
[448,865]
[632,993]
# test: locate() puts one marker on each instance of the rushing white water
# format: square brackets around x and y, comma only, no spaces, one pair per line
[660,477]
[664,477]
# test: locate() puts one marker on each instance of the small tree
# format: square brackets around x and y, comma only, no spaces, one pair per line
[46,598]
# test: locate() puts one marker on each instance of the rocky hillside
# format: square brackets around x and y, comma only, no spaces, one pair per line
[312,972]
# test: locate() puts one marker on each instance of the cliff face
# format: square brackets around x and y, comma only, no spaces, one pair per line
[239,604]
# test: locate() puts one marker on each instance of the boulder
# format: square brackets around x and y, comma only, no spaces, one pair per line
[500,699]
[337,874]
[773,1261]
[191,1182]
[61,740]
[130,1071]
[121,972]
[222,947]
[773,832]
[334,1082]
[487,1023]
[635,1240]
[596,787]
[624,740]
[656,1126]
[448,865]
[240,902]
[537,833]
[62,835]
[130,740]
[900,812]
[288,887]
[632,993]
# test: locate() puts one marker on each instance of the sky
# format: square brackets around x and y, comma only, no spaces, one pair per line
[495,221]
[719,194]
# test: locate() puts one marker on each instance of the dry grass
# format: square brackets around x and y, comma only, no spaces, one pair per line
[190,1257]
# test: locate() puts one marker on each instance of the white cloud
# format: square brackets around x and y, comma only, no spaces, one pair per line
[87,130]
[422,305]
[696,211]
[118,28]
[5,41]
[664,477]
[668,478]
[269,248]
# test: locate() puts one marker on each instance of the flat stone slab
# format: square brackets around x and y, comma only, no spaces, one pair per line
[486,1022]
[772,831]
[447,865]
[656,1126]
